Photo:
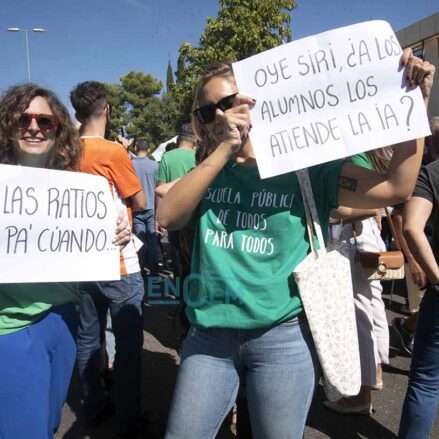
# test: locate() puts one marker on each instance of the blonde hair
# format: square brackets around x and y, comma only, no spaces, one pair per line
[380,158]
[221,69]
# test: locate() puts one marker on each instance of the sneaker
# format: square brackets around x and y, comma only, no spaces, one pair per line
[407,338]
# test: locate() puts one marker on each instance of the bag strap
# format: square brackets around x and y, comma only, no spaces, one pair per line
[312,217]
[309,227]
[354,234]
[393,230]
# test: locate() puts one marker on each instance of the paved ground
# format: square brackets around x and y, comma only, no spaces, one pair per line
[160,364]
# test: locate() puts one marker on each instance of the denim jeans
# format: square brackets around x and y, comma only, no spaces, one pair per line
[174,241]
[280,368]
[144,229]
[35,370]
[421,400]
[124,299]
[108,345]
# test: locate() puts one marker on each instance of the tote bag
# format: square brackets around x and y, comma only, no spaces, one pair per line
[325,286]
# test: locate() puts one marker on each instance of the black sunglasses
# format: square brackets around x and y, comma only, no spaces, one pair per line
[207,113]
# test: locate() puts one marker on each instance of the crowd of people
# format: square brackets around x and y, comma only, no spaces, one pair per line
[246,327]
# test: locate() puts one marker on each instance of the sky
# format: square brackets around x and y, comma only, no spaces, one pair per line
[105,39]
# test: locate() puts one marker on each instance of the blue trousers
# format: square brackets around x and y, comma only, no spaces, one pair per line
[124,300]
[280,368]
[421,400]
[36,365]
[174,241]
[144,229]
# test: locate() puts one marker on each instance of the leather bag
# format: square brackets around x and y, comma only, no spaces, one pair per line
[380,265]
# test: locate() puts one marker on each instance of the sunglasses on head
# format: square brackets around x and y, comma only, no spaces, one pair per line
[207,113]
[45,122]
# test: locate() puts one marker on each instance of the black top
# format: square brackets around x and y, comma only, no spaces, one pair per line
[427,187]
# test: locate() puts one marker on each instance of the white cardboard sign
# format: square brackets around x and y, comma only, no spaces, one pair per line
[329,96]
[56,226]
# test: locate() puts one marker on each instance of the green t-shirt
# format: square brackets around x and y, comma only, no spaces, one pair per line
[250,236]
[23,304]
[175,164]
[362,160]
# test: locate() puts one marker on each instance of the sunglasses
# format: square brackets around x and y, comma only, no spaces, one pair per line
[45,122]
[207,113]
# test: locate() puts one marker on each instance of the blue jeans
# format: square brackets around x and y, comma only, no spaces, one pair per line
[174,241]
[124,299]
[280,368]
[144,229]
[35,370]
[110,342]
[421,400]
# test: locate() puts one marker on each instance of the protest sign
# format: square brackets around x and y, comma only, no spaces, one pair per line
[329,96]
[56,226]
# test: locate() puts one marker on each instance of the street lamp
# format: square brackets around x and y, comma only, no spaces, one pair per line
[26,31]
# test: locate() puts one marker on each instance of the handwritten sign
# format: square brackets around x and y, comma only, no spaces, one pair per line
[56,226]
[329,96]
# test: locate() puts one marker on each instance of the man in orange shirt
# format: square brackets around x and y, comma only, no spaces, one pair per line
[123,297]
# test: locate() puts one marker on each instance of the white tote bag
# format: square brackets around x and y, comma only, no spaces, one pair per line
[325,286]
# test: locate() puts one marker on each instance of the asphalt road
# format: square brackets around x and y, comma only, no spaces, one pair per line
[160,364]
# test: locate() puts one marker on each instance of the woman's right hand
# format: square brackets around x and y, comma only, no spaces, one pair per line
[233,126]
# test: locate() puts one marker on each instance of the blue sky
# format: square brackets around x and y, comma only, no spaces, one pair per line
[104,39]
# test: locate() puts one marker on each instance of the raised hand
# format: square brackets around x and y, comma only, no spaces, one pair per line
[418,72]
[233,125]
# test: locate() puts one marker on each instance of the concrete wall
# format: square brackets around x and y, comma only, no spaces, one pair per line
[426,33]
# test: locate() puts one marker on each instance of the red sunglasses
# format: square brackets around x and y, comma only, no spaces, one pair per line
[45,122]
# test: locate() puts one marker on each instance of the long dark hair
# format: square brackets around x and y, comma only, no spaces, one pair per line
[67,150]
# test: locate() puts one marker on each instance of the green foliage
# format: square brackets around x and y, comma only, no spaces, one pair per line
[139,93]
[117,108]
[242,28]
[169,77]
[137,109]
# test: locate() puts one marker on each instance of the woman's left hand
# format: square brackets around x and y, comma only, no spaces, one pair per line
[123,232]
[418,72]
[417,273]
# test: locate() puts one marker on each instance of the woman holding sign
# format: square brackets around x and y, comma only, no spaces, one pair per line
[242,301]
[37,321]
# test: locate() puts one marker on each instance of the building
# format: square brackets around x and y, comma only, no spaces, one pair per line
[423,38]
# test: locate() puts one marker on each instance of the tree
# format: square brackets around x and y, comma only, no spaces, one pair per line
[117,109]
[242,28]
[139,93]
[169,77]
[138,110]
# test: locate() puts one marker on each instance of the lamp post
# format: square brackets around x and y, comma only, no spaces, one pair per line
[26,31]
